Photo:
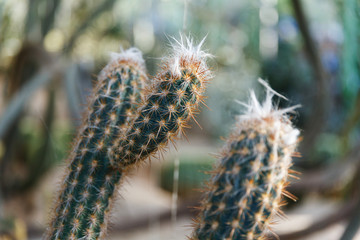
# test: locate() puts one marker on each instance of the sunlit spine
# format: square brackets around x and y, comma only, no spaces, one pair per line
[170,102]
[87,190]
[247,185]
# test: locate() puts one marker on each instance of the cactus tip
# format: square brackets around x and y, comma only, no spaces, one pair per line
[132,54]
[186,51]
[270,113]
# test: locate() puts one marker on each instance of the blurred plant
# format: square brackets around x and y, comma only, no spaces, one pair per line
[27,154]
[12,229]
[23,68]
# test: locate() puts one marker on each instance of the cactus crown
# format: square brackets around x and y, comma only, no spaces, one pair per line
[131,55]
[266,115]
[186,53]
[247,185]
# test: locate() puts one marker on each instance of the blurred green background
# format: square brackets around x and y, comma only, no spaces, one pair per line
[52,50]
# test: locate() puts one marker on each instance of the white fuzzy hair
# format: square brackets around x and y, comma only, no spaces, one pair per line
[266,110]
[132,54]
[185,49]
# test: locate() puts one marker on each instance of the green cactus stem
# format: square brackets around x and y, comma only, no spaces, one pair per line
[171,101]
[82,207]
[247,186]
[122,129]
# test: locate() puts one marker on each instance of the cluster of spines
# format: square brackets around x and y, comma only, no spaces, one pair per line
[247,186]
[170,101]
[88,188]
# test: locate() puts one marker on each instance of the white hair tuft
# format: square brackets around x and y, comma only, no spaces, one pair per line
[267,113]
[133,55]
[184,49]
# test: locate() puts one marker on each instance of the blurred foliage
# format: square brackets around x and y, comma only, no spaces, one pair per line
[192,175]
[12,229]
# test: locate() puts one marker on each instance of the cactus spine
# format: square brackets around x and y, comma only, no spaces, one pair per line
[83,204]
[246,188]
[171,100]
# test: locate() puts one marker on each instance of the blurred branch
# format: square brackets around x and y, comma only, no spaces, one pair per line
[23,95]
[107,4]
[329,177]
[310,46]
[346,211]
[47,22]
[341,214]
[319,111]
[354,225]
[31,17]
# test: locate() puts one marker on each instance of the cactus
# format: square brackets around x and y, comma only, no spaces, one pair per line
[87,190]
[171,100]
[247,185]
[121,130]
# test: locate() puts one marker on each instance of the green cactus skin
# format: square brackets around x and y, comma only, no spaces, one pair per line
[88,188]
[249,181]
[170,102]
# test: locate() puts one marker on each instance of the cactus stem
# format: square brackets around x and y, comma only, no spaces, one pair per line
[248,184]
[88,188]
[170,102]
